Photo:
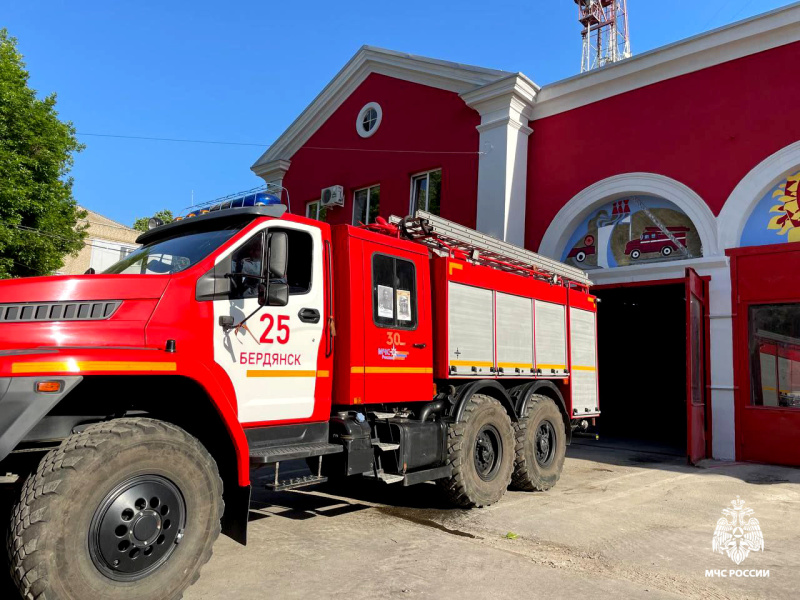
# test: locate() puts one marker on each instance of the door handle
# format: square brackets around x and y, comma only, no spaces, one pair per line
[309,315]
[420,346]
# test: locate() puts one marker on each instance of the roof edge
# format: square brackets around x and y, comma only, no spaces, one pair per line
[749,36]
[442,74]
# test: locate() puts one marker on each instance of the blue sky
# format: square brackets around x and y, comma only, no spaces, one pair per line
[241,71]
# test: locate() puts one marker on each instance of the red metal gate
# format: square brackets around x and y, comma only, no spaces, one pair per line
[766,335]
[697,375]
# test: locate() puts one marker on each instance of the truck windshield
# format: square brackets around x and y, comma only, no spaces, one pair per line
[174,254]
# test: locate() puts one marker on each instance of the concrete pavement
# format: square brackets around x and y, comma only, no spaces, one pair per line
[620,523]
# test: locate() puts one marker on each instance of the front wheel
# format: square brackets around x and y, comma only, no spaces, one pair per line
[541,445]
[127,509]
[481,453]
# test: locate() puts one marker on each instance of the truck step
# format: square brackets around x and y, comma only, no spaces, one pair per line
[386,447]
[265,455]
[383,415]
[385,477]
[295,482]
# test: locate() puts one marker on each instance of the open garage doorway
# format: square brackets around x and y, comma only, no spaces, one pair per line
[642,357]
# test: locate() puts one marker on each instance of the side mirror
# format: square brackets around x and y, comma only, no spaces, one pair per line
[274,294]
[278,255]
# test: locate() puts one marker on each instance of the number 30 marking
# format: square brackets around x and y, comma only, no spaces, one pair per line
[392,338]
[283,328]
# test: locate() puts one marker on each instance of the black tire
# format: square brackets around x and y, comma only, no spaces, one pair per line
[635,254]
[53,541]
[539,471]
[666,251]
[467,487]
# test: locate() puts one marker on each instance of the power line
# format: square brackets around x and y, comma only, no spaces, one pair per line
[725,4]
[60,237]
[114,226]
[394,151]
[188,141]
[744,7]
[160,139]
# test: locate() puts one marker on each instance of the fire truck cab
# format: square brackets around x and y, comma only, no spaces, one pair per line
[242,336]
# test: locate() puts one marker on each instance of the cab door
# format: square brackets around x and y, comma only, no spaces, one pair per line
[272,360]
[398,355]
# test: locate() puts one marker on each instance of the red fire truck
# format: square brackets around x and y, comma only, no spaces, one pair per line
[653,239]
[406,351]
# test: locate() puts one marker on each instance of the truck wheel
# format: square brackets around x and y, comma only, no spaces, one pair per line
[127,509]
[480,450]
[635,254]
[541,445]
[666,251]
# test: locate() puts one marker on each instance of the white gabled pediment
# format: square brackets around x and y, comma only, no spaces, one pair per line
[442,74]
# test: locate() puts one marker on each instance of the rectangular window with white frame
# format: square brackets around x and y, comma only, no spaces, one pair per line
[366,205]
[426,192]
[315,210]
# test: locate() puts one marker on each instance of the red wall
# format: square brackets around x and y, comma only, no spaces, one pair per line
[707,130]
[415,117]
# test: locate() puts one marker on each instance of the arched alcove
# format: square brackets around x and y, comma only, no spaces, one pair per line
[750,205]
[629,219]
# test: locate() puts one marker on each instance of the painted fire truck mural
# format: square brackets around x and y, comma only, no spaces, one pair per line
[776,218]
[633,230]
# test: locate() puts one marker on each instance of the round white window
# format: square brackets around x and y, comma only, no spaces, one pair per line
[369,119]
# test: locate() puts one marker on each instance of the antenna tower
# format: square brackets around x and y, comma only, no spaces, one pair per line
[605,32]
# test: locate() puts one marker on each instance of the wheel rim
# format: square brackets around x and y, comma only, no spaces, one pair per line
[488,452]
[545,443]
[137,527]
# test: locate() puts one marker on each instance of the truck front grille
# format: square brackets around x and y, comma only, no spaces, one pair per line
[57,311]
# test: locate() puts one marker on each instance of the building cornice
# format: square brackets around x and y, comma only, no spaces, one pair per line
[515,86]
[440,74]
[750,36]
[273,170]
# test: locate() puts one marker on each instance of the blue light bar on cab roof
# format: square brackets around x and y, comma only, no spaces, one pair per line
[254,199]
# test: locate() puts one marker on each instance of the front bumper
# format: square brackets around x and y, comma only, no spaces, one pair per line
[21,407]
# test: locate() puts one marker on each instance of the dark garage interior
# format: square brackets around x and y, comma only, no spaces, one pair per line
[642,366]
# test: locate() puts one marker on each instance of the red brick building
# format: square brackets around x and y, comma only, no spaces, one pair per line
[701,141]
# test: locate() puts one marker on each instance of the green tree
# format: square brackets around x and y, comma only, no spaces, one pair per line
[38,215]
[165,215]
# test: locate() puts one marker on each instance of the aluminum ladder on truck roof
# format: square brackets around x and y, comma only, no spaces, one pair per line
[438,233]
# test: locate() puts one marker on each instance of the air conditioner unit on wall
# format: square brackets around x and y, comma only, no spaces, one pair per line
[332,196]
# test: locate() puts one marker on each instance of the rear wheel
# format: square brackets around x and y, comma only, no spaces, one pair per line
[541,444]
[480,451]
[125,509]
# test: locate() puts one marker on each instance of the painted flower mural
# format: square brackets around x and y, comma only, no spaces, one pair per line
[787,221]
[776,218]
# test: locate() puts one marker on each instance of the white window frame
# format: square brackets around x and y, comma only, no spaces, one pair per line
[427,175]
[369,196]
[319,205]
[360,119]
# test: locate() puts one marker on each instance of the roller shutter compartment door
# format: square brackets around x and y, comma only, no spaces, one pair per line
[551,339]
[583,354]
[514,335]
[471,330]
